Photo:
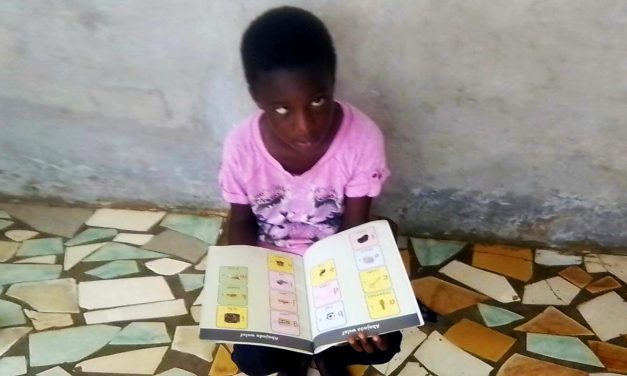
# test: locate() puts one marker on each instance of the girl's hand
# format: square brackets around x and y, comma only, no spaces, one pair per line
[361,343]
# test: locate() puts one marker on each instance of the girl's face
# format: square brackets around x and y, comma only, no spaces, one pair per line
[298,106]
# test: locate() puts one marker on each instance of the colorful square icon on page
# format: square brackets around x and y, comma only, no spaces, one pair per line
[232,295]
[280,264]
[283,301]
[285,323]
[364,238]
[382,304]
[282,281]
[232,317]
[375,280]
[233,275]
[323,273]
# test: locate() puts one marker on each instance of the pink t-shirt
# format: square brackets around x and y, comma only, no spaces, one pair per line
[294,211]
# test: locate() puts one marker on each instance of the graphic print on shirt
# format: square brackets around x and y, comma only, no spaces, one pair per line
[320,216]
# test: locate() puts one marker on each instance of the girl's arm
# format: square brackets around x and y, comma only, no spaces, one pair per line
[356,211]
[242,226]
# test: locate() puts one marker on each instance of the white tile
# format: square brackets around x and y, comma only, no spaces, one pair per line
[167,266]
[135,239]
[593,264]
[4,215]
[552,291]
[493,285]
[199,299]
[551,257]
[73,255]
[186,340]
[138,362]
[413,369]
[49,259]
[168,308]
[443,358]
[606,315]
[56,295]
[615,264]
[56,371]
[21,235]
[122,219]
[43,321]
[9,336]
[196,312]
[123,291]
[412,337]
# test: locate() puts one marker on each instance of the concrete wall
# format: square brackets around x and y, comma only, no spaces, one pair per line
[504,119]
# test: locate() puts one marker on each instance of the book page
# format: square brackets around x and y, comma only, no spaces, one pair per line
[357,282]
[256,296]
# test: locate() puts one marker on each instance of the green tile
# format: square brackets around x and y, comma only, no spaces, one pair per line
[434,252]
[41,247]
[175,372]
[495,316]
[116,251]
[92,235]
[13,273]
[142,333]
[68,345]
[114,269]
[562,347]
[206,229]
[192,282]
[5,224]
[13,366]
[4,215]
[11,314]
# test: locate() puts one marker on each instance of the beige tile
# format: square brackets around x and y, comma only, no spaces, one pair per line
[520,365]
[552,291]
[9,336]
[122,219]
[138,362]
[604,284]
[56,296]
[493,285]
[49,259]
[478,340]
[186,340]
[179,245]
[202,265]
[21,235]
[606,315]
[7,250]
[413,369]
[613,357]
[443,358]
[412,337]
[74,255]
[43,321]
[443,297]
[551,257]
[168,308]
[576,276]
[58,221]
[55,371]
[134,239]
[553,321]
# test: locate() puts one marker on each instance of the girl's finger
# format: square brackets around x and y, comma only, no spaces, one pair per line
[356,345]
[380,342]
[366,343]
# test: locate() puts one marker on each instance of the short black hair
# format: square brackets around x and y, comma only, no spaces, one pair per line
[286,38]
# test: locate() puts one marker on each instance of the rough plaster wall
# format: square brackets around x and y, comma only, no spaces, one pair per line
[504,119]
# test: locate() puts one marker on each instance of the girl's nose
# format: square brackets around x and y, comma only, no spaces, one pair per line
[305,126]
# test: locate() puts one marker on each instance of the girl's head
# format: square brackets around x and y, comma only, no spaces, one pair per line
[289,63]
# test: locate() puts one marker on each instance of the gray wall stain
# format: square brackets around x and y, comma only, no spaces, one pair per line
[503,120]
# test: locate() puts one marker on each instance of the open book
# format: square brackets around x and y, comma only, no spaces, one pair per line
[351,281]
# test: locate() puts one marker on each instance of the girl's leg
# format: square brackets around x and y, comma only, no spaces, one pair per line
[333,361]
[261,360]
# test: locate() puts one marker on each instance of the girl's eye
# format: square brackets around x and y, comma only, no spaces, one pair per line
[318,102]
[281,110]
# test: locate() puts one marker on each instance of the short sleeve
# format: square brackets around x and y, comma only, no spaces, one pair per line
[370,170]
[230,181]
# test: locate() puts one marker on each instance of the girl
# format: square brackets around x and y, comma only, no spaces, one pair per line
[302,168]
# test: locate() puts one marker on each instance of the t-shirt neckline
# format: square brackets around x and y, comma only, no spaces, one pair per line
[330,151]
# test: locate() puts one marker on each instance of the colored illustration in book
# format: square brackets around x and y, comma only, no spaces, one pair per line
[326,293]
[285,322]
[382,304]
[375,280]
[369,258]
[233,275]
[330,316]
[232,295]
[283,301]
[280,264]
[282,281]
[232,317]
[323,273]
[364,238]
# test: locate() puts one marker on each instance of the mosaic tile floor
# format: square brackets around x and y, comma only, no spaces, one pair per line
[111,291]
